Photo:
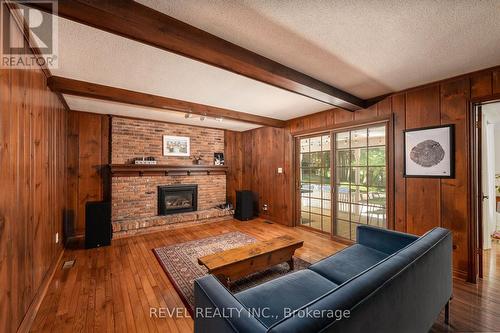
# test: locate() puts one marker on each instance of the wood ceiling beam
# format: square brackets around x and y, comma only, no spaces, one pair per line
[135,21]
[87,89]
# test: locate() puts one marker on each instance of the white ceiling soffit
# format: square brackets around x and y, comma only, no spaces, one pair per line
[367,48]
[119,109]
[93,55]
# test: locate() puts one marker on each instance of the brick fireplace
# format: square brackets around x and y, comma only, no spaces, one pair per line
[136,204]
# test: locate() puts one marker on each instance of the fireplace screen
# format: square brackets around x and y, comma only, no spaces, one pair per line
[174,199]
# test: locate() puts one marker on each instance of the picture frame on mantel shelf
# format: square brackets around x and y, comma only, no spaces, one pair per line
[218,158]
[176,146]
[430,152]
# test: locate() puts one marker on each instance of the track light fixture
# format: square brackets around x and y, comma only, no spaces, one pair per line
[189,115]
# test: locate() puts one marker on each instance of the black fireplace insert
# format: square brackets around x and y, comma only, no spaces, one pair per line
[173,199]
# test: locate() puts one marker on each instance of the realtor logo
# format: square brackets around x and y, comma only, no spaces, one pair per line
[29,35]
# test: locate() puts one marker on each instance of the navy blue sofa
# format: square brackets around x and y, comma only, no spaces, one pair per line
[388,282]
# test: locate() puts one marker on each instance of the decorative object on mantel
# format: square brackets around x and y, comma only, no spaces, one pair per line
[176,145]
[145,160]
[136,170]
[197,158]
[218,158]
[429,152]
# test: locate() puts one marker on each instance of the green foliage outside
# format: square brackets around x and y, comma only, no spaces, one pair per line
[363,167]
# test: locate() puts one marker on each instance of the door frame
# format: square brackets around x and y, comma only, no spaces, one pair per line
[475,251]
[388,120]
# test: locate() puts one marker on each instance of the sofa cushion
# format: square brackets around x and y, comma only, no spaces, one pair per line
[347,263]
[291,291]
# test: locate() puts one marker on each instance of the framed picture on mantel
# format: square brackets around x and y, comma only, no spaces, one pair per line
[218,158]
[176,145]
[430,152]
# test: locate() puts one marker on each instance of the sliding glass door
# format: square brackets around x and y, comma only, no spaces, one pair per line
[359,184]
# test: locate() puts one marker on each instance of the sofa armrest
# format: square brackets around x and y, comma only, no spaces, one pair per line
[387,241]
[217,310]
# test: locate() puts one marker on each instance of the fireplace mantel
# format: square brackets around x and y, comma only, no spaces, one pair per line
[135,170]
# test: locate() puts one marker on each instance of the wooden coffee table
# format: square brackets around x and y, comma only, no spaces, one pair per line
[231,265]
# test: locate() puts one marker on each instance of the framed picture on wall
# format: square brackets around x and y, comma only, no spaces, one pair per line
[430,152]
[176,145]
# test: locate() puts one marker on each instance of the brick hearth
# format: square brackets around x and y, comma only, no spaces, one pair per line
[157,223]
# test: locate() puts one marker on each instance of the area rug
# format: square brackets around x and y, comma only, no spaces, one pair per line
[180,262]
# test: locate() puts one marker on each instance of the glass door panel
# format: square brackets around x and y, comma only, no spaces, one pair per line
[315,188]
[361,182]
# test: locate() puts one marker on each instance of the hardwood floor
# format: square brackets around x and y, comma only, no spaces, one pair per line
[112,289]
[476,307]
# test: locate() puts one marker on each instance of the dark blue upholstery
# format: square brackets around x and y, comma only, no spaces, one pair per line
[210,295]
[348,263]
[275,295]
[387,241]
[404,291]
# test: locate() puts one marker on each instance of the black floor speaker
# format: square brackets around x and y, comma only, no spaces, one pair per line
[98,230]
[244,209]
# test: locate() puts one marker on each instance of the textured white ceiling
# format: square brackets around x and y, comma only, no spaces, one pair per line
[365,47]
[96,56]
[107,107]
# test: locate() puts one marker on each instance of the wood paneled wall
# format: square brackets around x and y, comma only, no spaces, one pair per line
[88,159]
[420,204]
[33,189]
[253,158]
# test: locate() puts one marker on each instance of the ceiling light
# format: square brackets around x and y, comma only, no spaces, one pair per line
[188,115]
[202,118]
[219,119]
